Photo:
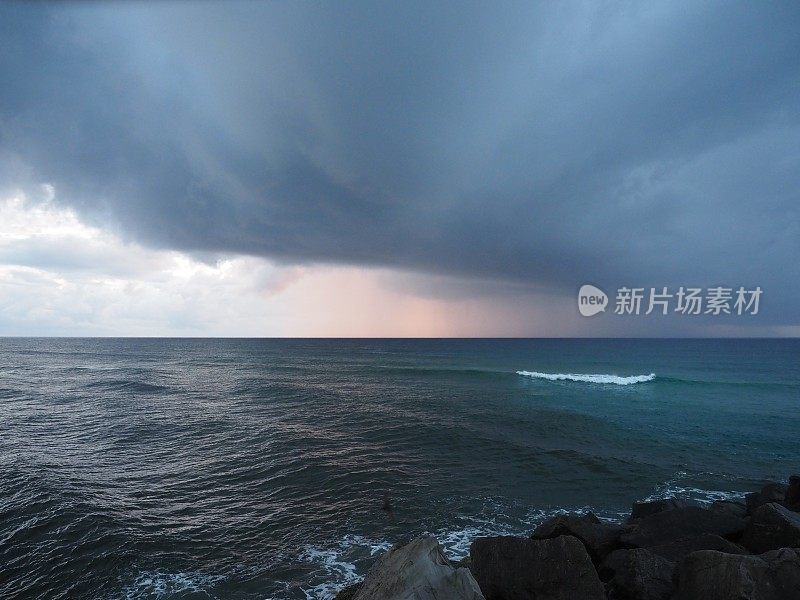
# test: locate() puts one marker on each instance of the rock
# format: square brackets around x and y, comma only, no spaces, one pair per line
[651,507]
[784,566]
[679,548]
[349,592]
[772,492]
[598,537]
[417,571]
[637,574]
[772,526]
[670,525]
[792,498]
[732,507]
[514,568]
[712,575]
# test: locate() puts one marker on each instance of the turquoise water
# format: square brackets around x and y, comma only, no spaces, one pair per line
[157,468]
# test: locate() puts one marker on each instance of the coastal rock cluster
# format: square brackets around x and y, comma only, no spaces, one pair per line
[666,550]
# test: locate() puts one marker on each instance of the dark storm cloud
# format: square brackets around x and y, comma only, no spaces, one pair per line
[548,144]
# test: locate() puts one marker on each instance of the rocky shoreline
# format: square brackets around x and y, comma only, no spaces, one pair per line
[747,549]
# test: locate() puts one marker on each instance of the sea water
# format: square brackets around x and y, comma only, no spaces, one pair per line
[196,468]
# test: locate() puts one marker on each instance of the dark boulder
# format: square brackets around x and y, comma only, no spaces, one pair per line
[599,538]
[670,525]
[732,507]
[679,548]
[651,507]
[772,492]
[711,575]
[792,498]
[784,568]
[637,574]
[515,568]
[772,526]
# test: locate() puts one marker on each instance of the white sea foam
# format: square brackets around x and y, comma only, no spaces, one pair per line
[160,584]
[336,563]
[676,488]
[589,377]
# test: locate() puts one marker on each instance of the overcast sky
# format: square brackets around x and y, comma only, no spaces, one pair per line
[376,168]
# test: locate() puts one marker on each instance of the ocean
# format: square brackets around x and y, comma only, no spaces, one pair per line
[258,468]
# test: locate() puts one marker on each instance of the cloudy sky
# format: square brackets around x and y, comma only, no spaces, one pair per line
[394,169]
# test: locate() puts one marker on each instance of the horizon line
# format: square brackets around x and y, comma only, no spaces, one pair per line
[198,337]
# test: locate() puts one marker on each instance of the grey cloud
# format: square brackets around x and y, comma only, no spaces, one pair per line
[640,144]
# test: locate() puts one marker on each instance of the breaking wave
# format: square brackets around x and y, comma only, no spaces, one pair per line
[589,377]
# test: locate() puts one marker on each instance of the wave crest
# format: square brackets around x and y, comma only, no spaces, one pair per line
[590,377]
